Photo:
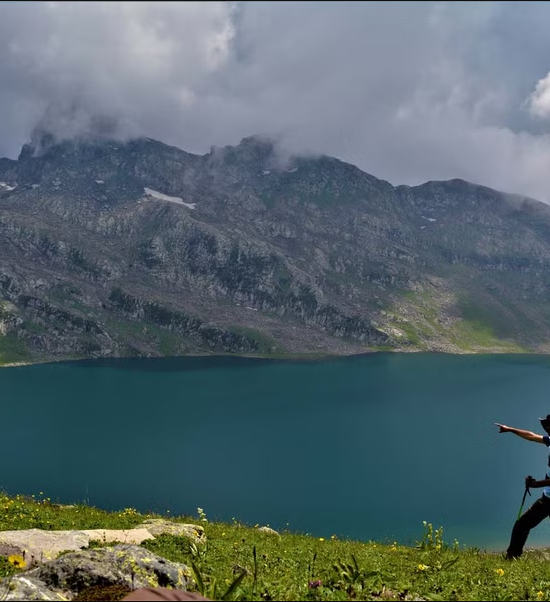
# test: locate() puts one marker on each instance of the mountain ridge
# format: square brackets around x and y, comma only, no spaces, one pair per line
[139,248]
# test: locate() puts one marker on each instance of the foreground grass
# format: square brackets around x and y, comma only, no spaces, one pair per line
[301,567]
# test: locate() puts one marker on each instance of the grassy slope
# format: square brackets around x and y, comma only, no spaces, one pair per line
[12,349]
[285,566]
[474,328]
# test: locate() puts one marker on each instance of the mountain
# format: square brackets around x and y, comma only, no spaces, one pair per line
[112,248]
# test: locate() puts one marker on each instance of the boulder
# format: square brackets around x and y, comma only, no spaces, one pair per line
[268,531]
[8,549]
[161,526]
[37,545]
[23,587]
[121,565]
[135,536]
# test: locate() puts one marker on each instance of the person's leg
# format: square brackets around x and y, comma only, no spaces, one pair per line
[527,521]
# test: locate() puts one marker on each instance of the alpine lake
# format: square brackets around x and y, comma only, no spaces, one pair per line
[365,447]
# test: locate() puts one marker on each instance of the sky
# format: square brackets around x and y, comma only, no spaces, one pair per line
[407,91]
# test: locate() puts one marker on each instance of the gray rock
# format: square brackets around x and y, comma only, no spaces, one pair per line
[25,587]
[36,545]
[269,531]
[8,550]
[119,565]
[160,526]
[135,536]
[63,578]
[40,546]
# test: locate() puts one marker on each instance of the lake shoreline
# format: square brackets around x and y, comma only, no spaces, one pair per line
[298,357]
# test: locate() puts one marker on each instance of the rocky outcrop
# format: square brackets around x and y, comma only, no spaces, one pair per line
[37,545]
[161,526]
[122,565]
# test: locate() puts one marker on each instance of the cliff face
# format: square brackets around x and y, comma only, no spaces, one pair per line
[110,248]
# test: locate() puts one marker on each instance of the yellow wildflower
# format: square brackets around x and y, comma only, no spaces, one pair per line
[422,567]
[17,561]
[540,595]
[499,572]
[321,539]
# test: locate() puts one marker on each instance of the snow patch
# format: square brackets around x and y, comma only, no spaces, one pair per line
[164,197]
[430,219]
[100,181]
[293,170]
[7,186]
[35,186]
[266,172]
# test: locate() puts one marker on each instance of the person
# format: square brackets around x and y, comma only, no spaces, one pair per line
[540,509]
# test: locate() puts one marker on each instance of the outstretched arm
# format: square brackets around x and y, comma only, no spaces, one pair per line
[528,435]
[532,482]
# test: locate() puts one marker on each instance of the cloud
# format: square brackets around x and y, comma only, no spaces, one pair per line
[539,101]
[135,64]
[407,91]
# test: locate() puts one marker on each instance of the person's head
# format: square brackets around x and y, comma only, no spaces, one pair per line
[545,423]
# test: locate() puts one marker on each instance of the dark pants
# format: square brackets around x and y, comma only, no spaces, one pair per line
[527,521]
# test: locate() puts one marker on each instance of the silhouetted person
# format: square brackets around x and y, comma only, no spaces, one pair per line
[540,509]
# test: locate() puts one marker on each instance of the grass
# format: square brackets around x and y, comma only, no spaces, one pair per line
[301,567]
[475,336]
[13,349]
[267,344]
[478,328]
[166,342]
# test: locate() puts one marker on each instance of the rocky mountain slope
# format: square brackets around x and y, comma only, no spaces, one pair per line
[139,248]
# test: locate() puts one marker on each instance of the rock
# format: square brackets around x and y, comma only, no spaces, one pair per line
[269,531]
[160,526]
[107,593]
[123,565]
[135,536]
[238,569]
[24,587]
[40,546]
[36,545]
[119,565]
[8,550]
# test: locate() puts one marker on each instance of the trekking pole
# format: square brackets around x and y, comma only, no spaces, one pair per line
[523,500]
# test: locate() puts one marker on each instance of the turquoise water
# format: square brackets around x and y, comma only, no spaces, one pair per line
[366,447]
